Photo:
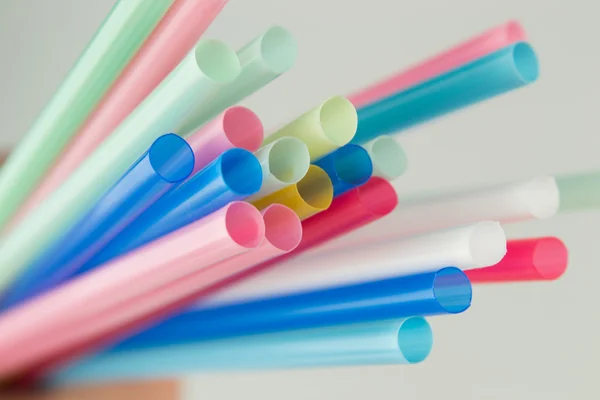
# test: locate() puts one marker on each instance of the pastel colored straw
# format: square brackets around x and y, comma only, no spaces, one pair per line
[473,246]
[348,167]
[265,58]
[283,232]
[235,127]
[324,128]
[284,162]
[208,66]
[234,175]
[388,157]
[400,341]
[463,53]
[166,46]
[579,191]
[115,43]
[168,162]
[441,292]
[536,259]
[506,69]
[311,195]
[49,325]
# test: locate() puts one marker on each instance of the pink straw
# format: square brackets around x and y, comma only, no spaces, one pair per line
[175,35]
[58,320]
[235,127]
[477,47]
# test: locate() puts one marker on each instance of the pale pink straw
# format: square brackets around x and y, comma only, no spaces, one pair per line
[477,47]
[235,127]
[174,36]
[61,319]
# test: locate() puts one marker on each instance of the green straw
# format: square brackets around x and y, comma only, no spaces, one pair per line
[263,59]
[579,191]
[115,43]
[194,81]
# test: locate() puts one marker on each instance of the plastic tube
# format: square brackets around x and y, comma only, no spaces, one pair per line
[445,291]
[478,245]
[504,70]
[50,324]
[404,341]
[537,259]
[116,42]
[388,157]
[330,125]
[311,195]
[167,45]
[464,53]
[235,127]
[284,162]
[233,176]
[263,59]
[169,161]
[579,191]
[209,65]
[348,167]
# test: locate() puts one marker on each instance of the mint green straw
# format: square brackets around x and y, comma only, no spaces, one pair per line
[115,43]
[579,191]
[194,81]
[263,59]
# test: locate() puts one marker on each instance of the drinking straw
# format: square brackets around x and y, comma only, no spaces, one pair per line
[167,45]
[324,128]
[473,246]
[208,66]
[115,43]
[169,161]
[464,53]
[234,175]
[265,58]
[388,157]
[284,162]
[235,127]
[50,324]
[447,291]
[399,341]
[499,72]
[579,191]
[311,195]
[348,167]
[536,259]
[283,232]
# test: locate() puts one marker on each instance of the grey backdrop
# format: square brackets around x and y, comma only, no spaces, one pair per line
[536,341]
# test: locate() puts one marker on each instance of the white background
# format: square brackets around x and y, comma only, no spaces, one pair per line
[528,341]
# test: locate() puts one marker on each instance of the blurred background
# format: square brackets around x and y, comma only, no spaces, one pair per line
[532,341]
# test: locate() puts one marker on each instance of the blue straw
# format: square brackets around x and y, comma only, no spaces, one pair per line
[348,167]
[234,175]
[404,341]
[168,162]
[445,291]
[504,70]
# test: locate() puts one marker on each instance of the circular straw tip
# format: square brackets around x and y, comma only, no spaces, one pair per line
[487,244]
[452,290]
[339,120]
[283,228]
[550,258]
[241,172]
[217,61]
[244,224]
[525,62]
[415,339]
[171,157]
[243,128]
[279,49]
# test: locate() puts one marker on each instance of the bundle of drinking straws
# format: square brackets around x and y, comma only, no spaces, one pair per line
[151,228]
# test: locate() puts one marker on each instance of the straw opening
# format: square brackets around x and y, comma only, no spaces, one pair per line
[515,31]
[316,188]
[525,62]
[388,157]
[452,290]
[243,128]
[241,172]
[415,339]
[171,157]
[278,49]
[289,160]
[550,258]
[543,197]
[338,120]
[217,61]
[352,165]
[283,228]
[487,244]
[244,224]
